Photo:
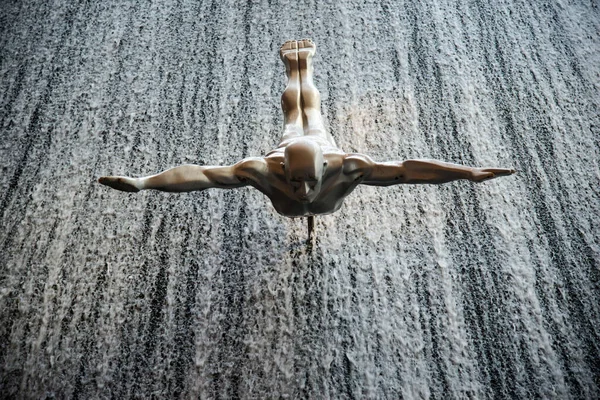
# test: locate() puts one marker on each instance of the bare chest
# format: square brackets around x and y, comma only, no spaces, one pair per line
[334,190]
[336,185]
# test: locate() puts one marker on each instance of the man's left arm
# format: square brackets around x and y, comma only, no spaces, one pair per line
[417,171]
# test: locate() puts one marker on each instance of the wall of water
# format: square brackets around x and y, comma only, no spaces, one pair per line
[451,291]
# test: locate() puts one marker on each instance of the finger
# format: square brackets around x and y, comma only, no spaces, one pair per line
[500,171]
[119,183]
[488,176]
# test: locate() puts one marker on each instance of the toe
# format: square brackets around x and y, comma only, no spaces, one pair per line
[288,45]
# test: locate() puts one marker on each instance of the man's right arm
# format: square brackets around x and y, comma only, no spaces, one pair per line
[187,178]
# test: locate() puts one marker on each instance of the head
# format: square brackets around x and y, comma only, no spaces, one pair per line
[304,167]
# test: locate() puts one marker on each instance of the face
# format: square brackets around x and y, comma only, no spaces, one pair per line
[304,169]
[306,187]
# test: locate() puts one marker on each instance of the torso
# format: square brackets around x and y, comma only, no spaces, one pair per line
[336,185]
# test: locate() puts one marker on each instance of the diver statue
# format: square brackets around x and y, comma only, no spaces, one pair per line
[307,174]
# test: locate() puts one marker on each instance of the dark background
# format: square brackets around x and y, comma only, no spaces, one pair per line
[451,291]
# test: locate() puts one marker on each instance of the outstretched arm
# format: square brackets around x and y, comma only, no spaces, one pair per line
[187,178]
[420,171]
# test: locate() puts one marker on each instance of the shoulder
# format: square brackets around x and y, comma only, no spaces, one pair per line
[250,166]
[251,162]
[356,162]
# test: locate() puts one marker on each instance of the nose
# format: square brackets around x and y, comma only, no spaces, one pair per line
[303,190]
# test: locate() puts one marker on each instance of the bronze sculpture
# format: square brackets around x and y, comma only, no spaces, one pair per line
[307,174]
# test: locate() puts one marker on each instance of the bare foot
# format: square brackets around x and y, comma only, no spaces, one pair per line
[288,50]
[120,183]
[484,174]
[306,48]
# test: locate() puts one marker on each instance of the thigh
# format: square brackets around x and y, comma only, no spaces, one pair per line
[318,131]
[291,131]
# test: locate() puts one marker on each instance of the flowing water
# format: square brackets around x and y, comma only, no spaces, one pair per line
[459,290]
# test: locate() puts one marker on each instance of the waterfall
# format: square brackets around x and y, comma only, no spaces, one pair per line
[459,290]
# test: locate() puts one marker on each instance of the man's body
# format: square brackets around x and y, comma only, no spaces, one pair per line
[307,174]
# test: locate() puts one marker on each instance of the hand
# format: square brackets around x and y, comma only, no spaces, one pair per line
[120,183]
[484,174]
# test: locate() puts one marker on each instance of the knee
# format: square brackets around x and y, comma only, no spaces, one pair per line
[312,112]
[292,116]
